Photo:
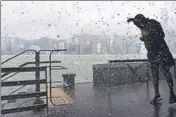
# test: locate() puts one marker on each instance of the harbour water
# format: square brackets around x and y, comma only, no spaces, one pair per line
[81,65]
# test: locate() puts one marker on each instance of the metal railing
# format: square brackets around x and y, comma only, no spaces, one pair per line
[36,82]
[50,77]
[25,95]
[18,55]
[24,64]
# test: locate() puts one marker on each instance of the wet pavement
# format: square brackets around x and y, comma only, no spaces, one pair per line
[119,101]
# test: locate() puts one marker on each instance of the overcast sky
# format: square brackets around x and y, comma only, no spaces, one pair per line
[63,19]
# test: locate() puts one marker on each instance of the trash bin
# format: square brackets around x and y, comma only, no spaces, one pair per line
[69,78]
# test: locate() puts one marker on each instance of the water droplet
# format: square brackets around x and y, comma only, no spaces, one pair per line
[109,114]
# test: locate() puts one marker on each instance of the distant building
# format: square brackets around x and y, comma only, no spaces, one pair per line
[11,45]
[34,47]
[105,45]
[87,43]
[99,48]
[164,16]
[143,49]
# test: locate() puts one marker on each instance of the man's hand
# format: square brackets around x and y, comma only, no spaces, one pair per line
[142,38]
[144,33]
[130,20]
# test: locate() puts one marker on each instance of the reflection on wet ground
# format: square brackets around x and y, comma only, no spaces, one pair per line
[120,101]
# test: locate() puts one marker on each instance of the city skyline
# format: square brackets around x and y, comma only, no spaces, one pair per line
[95,44]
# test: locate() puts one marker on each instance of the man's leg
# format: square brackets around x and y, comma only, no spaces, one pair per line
[169,79]
[155,74]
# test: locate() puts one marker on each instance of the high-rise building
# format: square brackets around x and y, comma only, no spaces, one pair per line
[143,49]
[164,16]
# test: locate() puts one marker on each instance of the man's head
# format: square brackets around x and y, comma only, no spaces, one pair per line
[139,20]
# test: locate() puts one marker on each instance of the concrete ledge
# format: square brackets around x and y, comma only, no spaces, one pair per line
[113,74]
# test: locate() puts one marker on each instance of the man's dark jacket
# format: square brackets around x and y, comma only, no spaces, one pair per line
[155,44]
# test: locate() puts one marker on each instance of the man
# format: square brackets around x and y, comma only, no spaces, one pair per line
[158,53]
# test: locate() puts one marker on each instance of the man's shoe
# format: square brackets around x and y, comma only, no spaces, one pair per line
[156,99]
[172,99]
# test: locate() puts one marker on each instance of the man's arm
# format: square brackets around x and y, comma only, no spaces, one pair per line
[130,20]
[144,33]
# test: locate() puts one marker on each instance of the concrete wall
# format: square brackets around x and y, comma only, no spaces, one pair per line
[119,74]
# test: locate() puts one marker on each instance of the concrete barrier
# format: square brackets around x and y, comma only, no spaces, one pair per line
[119,73]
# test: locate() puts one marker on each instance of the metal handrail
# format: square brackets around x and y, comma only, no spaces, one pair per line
[43,69]
[28,51]
[129,60]
[56,50]
[17,56]
[51,51]
[50,78]
[24,64]
[37,62]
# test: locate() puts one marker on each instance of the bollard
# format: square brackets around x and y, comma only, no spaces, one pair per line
[69,78]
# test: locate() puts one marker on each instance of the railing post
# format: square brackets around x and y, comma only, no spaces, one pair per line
[175,71]
[37,73]
[175,76]
[37,77]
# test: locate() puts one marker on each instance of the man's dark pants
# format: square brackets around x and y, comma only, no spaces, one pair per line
[157,60]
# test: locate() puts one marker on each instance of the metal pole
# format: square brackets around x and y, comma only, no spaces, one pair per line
[175,75]
[37,73]
[37,77]
[175,70]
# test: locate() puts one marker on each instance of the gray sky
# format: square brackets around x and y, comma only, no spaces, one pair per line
[35,19]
